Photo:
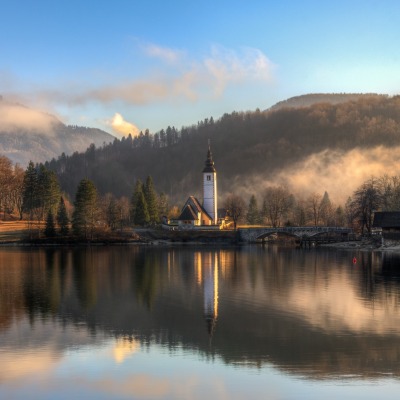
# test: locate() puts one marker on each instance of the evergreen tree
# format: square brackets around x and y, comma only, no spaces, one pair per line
[86,209]
[29,199]
[151,200]
[112,214]
[48,192]
[62,218]
[141,216]
[135,198]
[253,216]
[139,210]
[162,206]
[50,230]
[29,194]
[325,209]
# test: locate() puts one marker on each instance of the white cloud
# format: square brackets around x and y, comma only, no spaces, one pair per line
[122,127]
[168,55]
[186,78]
[227,66]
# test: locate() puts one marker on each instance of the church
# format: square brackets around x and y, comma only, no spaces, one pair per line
[197,215]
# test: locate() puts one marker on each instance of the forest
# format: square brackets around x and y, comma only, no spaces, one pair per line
[35,195]
[244,145]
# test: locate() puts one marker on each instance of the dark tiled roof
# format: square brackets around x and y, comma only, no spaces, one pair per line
[387,219]
[197,206]
[188,214]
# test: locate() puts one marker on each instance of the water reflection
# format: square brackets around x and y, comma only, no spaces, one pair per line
[312,313]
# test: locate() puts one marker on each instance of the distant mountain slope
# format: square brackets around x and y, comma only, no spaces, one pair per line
[27,134]
[317,148]
[307,100]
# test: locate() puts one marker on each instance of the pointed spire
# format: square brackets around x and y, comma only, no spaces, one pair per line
[209,162]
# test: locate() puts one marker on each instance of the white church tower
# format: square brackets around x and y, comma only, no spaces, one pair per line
[210,187]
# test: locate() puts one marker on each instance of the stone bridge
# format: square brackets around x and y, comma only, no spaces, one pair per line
[303,233]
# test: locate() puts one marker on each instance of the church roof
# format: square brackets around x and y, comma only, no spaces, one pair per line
[191,209]
[188,214]
[209,167]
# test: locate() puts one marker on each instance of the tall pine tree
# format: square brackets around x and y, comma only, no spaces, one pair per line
[62,218]
[86,209]
[151,200]
[253,215]
[50,229]
[139,210]
[135,198]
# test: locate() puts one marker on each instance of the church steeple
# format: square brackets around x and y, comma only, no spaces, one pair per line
[209,162]
[210,187]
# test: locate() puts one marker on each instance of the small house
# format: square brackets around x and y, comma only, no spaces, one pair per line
[389,222]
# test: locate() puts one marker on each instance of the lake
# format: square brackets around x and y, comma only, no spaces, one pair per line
[251,322]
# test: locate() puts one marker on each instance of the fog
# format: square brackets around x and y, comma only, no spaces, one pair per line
[339,173]
[15,118]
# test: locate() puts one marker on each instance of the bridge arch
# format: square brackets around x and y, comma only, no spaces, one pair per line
[279,233]
[304,233]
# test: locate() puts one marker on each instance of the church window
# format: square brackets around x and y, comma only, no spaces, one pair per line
[209,177]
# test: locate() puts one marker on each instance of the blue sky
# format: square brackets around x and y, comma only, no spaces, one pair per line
[127,65]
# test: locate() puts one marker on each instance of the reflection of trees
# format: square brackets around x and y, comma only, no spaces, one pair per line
[145,274]
[54,280]
[274,305]
[388,277]
[84,268]
[35,293]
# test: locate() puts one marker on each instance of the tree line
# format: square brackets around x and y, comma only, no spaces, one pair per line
[244,144]
[35,195]
[280,207]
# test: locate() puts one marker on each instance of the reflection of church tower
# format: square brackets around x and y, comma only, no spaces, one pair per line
[210,284]
[210,187]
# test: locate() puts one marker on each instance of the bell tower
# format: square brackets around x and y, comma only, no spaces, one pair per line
[210,187]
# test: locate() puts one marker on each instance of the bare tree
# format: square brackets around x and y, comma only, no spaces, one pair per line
[17,189]
[366,200]
[389,187]
[6,174]
[277,202]
[235,207]
[313,207]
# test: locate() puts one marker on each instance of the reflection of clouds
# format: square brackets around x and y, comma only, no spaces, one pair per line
[28,365]
[144,386]
[333,304]
[123,348]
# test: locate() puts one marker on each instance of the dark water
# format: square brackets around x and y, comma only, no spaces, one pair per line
[196,323]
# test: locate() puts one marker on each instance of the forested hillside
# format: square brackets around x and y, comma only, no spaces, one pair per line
[307,100]
[244,145]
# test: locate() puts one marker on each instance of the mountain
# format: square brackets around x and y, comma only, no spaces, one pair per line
[28,134]
[332,147]
[308,100]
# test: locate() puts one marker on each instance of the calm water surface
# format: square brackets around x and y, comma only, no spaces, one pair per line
[198,323]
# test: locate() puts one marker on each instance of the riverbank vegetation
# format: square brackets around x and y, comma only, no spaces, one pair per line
[34,197]
[135,181]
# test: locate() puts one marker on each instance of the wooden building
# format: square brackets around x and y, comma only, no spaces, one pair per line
[389,222]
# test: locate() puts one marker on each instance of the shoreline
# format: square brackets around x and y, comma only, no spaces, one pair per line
[160,237]
[362,245]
